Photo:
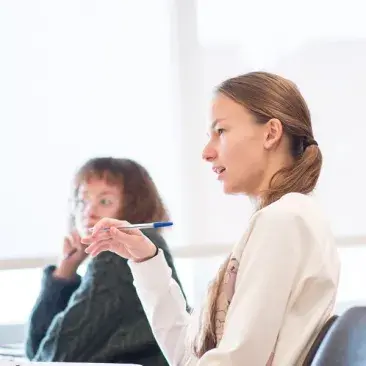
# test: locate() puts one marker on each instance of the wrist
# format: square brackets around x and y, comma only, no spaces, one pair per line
[154,254]
[65,271]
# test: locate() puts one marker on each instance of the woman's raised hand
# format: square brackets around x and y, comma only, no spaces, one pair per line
[131,244]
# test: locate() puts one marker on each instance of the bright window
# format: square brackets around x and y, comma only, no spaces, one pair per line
[80,79]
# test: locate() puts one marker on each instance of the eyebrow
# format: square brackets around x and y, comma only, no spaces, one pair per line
[106,192]
[215,122]
[103,193]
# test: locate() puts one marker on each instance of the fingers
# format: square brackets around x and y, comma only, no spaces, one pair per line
[90,240]
[124,234]
[74,243]
[106,223]
[130,231]
[103,235]
[131,246]
[115,239]
[70,253]
[102,248]
[75,237]
[100,232]
[67,243]
[99,246]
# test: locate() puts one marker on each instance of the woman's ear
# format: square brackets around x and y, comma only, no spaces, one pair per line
[274,131]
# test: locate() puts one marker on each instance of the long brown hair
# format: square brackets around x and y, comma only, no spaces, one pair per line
[141,202]
[268,96]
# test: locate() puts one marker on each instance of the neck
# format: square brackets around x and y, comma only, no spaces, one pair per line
[275,164]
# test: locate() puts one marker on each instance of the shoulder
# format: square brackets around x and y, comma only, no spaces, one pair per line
[291,211]
[294,222]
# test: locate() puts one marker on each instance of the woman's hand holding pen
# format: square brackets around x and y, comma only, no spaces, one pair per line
[73,255]
[131,244]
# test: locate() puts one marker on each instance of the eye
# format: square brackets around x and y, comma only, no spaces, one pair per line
[220,131]
[105,201]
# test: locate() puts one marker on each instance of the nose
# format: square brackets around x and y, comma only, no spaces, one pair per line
[209,153]
[91,215]
[91,210]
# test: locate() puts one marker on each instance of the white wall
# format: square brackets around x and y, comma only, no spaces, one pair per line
[80,79]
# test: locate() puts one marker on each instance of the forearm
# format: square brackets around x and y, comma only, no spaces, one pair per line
[53,299]
[164,305]
[159,241]
[66,271]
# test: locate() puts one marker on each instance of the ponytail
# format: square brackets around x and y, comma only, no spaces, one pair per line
[301,177]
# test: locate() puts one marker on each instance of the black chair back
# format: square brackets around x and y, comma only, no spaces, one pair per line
[318,340]
[345,342]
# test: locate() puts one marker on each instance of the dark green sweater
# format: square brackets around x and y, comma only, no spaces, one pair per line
[97,318]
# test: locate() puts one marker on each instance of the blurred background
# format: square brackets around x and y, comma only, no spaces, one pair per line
[134,78]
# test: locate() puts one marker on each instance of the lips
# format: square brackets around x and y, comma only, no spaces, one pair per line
[218,169]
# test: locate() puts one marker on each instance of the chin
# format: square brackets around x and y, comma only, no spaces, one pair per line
[228,189]
[234,189]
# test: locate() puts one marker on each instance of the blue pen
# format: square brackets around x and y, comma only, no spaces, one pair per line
[151,225]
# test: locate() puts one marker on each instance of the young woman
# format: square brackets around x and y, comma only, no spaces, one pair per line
[278,286]
[99,317]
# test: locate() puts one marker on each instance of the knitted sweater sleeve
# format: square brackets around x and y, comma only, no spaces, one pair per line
[104,304]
